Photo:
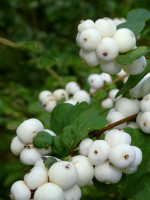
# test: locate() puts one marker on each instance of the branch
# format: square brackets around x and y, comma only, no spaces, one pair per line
[7,42]
[114,81]
[97,133]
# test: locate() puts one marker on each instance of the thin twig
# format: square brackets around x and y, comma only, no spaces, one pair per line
[7,42]
[97,133]
[54,74]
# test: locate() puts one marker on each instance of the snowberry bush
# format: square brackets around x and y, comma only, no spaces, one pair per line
[97,136]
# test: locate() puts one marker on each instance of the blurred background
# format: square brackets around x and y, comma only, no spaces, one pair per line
[53,25]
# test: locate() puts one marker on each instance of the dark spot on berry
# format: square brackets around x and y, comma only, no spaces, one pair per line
[96,152]
[105,54]
[126,157]
[144,124]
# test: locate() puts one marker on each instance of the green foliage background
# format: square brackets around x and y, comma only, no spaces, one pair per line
[23,74]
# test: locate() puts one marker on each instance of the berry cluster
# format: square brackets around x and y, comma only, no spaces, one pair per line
[23,143]
[72,94]
[101,43]
[111,156]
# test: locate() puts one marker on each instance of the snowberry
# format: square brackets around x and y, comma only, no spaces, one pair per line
[89,57]
[20,191]
[84,146]
[44,151]
[137,66]
[106,77]
[50,132]
[73,193]
[72,87]
[40,162]
[145,88]
[95,81]
[132,125]
[107,103]
[115,137]
[136,91]
[64,174]
[44,94]
[28,130]
[60,94]
[115,116]
[107,49]
[49,191]
[89,39]
[112,94]
[138,157]
[138,117]
[118,21]
[144,122]
[129,170]
[85,25]
[36,177]
[29,156]
[110,67]
[145,103]
[107,173]
[16,146]
[49,103]
[121,73]
[77,39]
[84,168]
[98,152]
[122,155]
[71,101]
[81,96]
[127,107]
[125,39]
[106,27]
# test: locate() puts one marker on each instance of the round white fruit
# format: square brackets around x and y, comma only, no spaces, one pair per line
[85,25]
[20,191]
[145,103]
[95,81]
[16,146]
[106,27]
[84,168]
[73,193]
[72,87]
[28,130]
[110,67]
[107,49]
[89,39]
[64,174]
[60,94]
[44,94]
[89,57]
[122,155]
[49,103]
[107,173]
[145,88]
[49,191]
[107,103]
[81,96]
[115,137]
[84,146]
[98,152]
[144,122]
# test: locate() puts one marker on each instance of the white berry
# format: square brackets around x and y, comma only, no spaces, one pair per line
[85,25]
[89,39]
[73,193]
[106,27]
[107,49]
[44,94]
[89,57]
[84,168]
[20,191]
[81,96]
[145,103]
[145,88]
[84,146]
[95,81]
[16,146]
[98,152]
[110,67]
[28,130]
[49,191]
[115,137]
[60,94]
[144,122]
[125,39]
[63,173]
[72,87]
[107,103]
[122,155]
[107,173]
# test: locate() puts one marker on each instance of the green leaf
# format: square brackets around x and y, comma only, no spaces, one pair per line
[31,46]
[133,80]
[64,114]
[138,15]
[86,122]
[136,21]
[43,140]
[132,55]
[49,162]
[47,61]
[135,27]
